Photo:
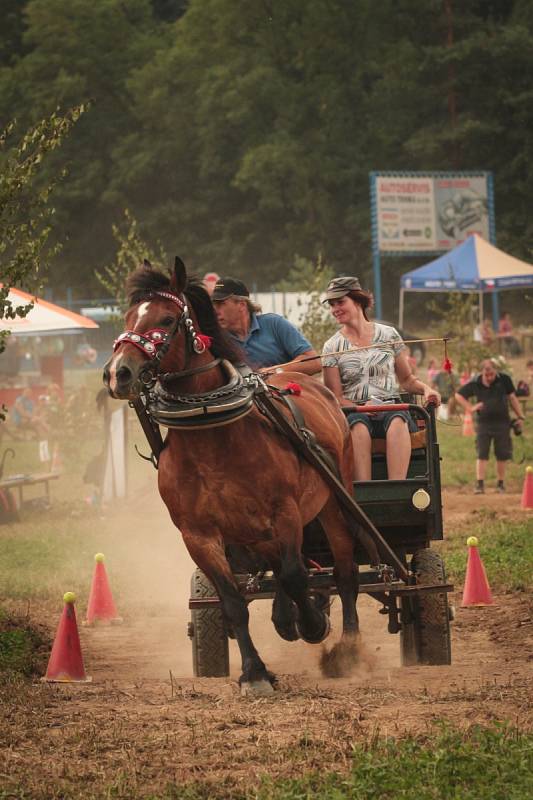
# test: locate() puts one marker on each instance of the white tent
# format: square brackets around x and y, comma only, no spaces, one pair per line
[44,318]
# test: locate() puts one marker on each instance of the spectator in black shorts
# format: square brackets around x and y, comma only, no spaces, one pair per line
[493,391]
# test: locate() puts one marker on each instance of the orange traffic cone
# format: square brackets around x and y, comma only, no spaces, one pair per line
[468,425]
[476,590]
[101,606]
[66,662]
[527,491]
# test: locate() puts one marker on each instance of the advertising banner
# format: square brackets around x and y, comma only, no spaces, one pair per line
[421,213]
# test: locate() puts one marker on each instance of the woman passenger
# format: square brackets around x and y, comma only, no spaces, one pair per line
[371,375]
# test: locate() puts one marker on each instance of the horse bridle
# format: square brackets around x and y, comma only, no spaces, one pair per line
[155,344]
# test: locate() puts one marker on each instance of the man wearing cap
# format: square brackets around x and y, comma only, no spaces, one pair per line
[366,362]
[493,392]
[267,339]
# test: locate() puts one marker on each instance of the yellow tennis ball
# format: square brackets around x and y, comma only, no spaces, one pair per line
[472,541]
[99,557]
[529,469]
[69,597]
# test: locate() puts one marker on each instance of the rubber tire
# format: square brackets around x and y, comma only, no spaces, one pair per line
[210,649]
[426,639]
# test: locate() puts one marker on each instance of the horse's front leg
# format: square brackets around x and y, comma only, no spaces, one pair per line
[208,554]
[312,624]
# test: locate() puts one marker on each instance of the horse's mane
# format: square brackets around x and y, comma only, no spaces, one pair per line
[143,282]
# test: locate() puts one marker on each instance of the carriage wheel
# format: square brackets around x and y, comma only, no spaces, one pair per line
[210,651]
[425,633]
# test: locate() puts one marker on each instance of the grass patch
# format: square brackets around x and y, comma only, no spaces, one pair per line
[493,763]
[484,764]
[23,646]
[481,764]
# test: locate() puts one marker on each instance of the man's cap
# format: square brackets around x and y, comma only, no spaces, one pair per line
[339,287]
[227,287]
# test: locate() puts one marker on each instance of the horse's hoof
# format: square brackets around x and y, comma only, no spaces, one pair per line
[290,634]
[260,688]
[318,639]
[342,659]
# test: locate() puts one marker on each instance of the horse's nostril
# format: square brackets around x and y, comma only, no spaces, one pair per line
[106,375]
[124,375]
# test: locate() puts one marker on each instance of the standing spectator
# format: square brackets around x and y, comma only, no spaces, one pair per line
[493,391]
[505,332]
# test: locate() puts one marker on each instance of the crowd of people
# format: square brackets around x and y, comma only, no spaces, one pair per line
[503,339]
[50,414]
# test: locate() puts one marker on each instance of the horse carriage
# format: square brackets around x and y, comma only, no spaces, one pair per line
[257,475]
[408,515]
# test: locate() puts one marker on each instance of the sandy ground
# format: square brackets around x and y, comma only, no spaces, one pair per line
[144,721]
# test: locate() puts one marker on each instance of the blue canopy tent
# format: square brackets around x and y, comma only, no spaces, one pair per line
[473,266]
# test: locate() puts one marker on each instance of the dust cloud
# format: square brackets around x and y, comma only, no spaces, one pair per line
[153,570]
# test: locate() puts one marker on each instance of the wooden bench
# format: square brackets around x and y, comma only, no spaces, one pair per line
[21,481]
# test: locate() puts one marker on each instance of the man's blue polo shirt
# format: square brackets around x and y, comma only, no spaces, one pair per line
[272,340]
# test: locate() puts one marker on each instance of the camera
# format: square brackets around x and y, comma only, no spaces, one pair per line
[515,425]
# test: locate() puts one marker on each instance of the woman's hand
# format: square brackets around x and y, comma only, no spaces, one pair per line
[431,396]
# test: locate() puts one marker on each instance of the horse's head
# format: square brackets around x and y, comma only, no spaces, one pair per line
[162,330]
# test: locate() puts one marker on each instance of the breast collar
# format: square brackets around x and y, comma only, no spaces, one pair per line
[217,407]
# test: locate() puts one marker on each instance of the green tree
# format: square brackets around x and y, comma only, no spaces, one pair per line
[454,321]
[25,212]
[132,250]
[305,276]
[242,132]
[71,56]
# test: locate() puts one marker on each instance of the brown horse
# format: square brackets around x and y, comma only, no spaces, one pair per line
[240,484]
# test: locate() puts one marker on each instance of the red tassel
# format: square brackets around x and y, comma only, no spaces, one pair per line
[294,388]
[447,365]
[207,341]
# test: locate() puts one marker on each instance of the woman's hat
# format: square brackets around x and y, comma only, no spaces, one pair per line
[340,287]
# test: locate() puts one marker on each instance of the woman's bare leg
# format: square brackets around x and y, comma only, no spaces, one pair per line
[398,449]
[362,448]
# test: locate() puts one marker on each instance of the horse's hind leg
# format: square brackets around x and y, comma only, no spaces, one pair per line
[344,655]
[210,557]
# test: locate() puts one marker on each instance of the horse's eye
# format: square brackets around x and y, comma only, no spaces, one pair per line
[166,322]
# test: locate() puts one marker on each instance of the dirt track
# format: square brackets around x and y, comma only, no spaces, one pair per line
[144,721]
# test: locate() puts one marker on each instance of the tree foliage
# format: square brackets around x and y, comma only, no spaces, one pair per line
[315,322]
[25,211]
[131,252]
[454,321]
[241,132]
